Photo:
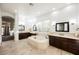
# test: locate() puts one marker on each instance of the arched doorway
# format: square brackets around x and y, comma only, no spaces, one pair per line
[7,28]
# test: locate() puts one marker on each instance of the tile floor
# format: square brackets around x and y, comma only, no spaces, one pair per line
[22,47]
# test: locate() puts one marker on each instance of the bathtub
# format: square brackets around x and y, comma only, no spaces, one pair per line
[39,42]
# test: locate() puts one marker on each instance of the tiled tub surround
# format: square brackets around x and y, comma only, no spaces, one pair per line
[39,41]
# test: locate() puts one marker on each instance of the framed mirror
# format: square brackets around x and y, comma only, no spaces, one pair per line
[62,27]
[34,28]
[21,28]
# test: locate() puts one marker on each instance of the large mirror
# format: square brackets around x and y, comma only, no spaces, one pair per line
[21,28]
[62,27]
[34,28]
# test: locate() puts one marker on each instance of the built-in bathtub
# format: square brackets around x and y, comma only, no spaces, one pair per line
[39,42]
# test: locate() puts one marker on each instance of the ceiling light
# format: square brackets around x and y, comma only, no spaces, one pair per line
[69,7]
[55,12]
[53,8]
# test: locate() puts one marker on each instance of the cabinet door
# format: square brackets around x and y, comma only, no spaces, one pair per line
[73,46]
[61,43]
[51,40]
[64,43]
[58,42]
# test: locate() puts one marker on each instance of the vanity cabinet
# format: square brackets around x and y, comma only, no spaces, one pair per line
[7,38]
[68,44]
[25,35]
[51,40]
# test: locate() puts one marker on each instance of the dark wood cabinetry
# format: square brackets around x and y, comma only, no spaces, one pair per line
[68,44]
[25,35]
[51,40]
[7,38]
[21,36]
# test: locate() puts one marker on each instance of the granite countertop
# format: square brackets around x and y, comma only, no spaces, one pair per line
[52,34]
[65,36]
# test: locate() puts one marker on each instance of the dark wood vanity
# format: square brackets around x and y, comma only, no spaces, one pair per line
[21,36]
[68,44]
[7,38]
[25,35]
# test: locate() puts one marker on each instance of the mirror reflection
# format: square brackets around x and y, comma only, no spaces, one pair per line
[62,27]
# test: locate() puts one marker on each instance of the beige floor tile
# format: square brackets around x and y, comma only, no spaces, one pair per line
[22,47]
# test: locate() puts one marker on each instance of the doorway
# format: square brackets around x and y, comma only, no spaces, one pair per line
[7,28]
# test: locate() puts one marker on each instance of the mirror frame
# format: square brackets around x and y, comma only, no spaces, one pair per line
[21,28]
[63,28]
[34,28]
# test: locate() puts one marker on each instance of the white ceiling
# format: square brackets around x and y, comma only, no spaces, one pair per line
[35,10]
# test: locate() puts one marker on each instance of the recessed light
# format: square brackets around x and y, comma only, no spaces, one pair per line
[55,12]
[69,7]
[53,8]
